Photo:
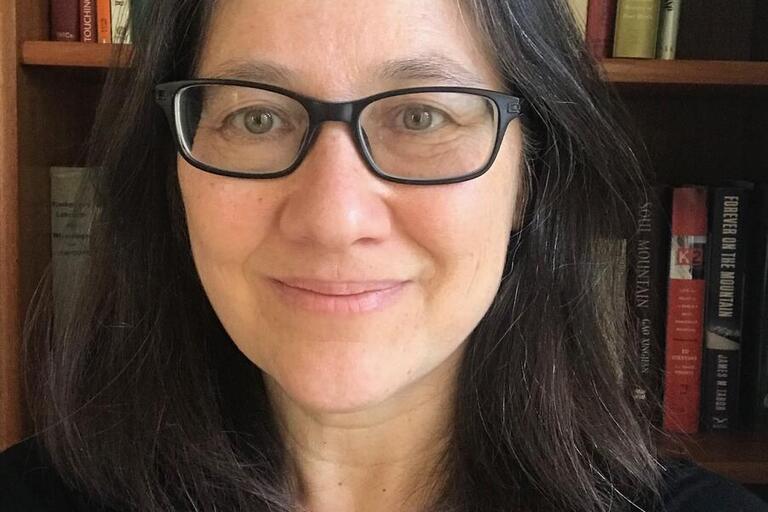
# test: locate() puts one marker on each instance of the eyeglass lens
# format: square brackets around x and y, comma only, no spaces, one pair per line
[422,136]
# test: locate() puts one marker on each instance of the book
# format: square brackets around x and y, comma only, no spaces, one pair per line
[685,310]
[637,23]
[754,383]
[579,11]
[669,25]
[600,18]
[88,21]
[647,271]
[724,312]
[104,16]
[65,18]
[72,210]
[139,13]
[121,15]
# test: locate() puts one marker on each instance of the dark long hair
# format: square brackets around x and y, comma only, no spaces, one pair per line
[140,402]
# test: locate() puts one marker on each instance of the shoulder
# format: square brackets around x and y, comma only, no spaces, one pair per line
[29,484]
[689,488]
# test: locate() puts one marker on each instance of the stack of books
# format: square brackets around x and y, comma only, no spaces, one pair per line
[91,21]
[698,290]
[645,29]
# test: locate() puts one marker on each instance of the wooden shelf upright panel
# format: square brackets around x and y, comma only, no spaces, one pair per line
[10,383]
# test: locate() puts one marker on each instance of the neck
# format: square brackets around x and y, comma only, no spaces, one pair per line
[383,458]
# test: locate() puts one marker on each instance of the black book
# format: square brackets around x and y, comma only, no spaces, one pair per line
[724,311]
[647,271]
[755,381]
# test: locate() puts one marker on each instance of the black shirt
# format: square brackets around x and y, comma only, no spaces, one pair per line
[28,485]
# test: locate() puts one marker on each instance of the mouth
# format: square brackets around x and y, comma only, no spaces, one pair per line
[338,297]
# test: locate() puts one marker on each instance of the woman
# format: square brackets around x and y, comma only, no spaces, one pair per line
[362,267]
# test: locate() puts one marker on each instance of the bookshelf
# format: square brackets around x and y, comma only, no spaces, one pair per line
[53,53]
[741,456]
[685,72]
[702,121]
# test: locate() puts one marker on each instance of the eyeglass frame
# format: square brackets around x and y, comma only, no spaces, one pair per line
[167,94]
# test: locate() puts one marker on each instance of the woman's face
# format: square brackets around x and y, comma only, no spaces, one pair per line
[283,261]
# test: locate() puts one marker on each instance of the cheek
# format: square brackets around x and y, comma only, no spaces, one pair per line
[469,223]
[465,228]
[225,219]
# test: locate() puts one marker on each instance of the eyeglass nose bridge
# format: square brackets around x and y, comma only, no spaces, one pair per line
[344,112]
[321,111]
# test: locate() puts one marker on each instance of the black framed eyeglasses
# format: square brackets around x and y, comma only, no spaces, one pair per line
[421,135]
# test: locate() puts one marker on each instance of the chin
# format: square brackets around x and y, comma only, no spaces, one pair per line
[341,381]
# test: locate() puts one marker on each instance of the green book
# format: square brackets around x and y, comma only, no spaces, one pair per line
[669,26]
[72,213]
[637,24]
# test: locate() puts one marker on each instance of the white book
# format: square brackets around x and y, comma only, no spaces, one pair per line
[121,15]
[72,213]
[579,9]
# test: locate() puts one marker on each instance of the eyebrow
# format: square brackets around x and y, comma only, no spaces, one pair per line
[434,67]
[427,68]
[255,71]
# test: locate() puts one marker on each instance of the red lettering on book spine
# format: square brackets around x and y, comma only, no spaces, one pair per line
[103,13]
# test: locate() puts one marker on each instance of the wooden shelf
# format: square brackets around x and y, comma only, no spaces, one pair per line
[632,71]
[54,53]
[686,72]
[740,456]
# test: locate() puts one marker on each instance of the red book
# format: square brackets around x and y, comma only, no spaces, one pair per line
[601,15]
[65,17]
[685,310]
[88,22]
[104,16]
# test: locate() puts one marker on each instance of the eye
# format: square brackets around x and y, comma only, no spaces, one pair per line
[422,118]
[254,121]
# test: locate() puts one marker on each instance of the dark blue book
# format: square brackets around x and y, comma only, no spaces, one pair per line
[724,311]
[755,381]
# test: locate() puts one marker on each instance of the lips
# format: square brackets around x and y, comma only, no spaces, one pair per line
[339,297]
[339,287]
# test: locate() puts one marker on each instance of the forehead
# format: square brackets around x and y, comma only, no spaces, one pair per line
[344,48]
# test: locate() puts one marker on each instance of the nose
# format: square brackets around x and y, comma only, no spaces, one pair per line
[336,201]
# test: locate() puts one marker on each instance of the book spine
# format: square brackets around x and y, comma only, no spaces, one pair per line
[755,345]
[121,15]
[138,14]
[579,11]
[685,310]
[88,21]
[646,279]
[637,23]
[669,26]
[64,20]
[600,17]
[72,209]
[104,15]
[724,313]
